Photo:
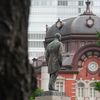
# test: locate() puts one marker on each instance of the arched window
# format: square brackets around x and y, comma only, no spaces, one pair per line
[80,89]
[92,91]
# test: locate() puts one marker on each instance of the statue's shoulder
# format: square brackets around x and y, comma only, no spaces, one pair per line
[60,43]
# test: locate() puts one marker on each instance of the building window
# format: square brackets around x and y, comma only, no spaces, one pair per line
[62,3]
[35,2]
[59,85]
[80,89]
[63,47]
[80,3]
[36,36]
[79,10]
[49,3]
[91,3]
[39,2]
[82,43]
[44,3]
[92,91]
[35,44]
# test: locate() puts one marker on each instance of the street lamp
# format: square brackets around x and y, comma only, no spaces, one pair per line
[34,62]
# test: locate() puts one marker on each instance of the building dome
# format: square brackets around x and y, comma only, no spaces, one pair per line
[78,36]
[85,23]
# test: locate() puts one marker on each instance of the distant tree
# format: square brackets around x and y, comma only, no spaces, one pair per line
[98,33]
[36,93]
[97,86]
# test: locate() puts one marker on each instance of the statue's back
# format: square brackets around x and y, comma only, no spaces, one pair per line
[54,56]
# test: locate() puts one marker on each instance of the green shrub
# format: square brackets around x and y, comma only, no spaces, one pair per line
[98,33]
[97,86]
[36,93]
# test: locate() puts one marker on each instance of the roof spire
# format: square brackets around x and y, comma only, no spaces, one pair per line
[88,6]
[88,12]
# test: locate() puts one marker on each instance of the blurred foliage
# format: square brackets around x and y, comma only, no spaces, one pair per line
[36,93]
[98,33]
[97,86]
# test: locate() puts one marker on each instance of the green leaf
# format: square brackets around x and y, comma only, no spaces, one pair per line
[98,33]
[98,43]
[36,93]
[97,86]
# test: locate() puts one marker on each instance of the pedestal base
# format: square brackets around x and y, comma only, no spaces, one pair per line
[52,98]
[52,95]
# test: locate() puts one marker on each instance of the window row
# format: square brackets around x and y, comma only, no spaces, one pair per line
[41,2]
[62,3]
[81,3]
[38,29]
[59,85]
[36,36]
[38,44]
[65,3]
[43,9]
[35,54]
[59,2]
[81,90]
[38,14]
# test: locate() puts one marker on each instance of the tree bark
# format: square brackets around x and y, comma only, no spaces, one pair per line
[17,77]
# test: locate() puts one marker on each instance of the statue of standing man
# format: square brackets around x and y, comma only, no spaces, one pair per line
[54,59]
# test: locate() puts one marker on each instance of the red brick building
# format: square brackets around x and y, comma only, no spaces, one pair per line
[81,56]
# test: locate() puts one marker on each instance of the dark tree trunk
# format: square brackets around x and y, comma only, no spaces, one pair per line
[17,79]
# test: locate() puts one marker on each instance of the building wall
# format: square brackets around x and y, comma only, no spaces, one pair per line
[71,82]
[89,76]
[38,80]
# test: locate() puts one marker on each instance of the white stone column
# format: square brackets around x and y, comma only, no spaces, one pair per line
[86,95]
[86,92]
[97,95]
[44,78]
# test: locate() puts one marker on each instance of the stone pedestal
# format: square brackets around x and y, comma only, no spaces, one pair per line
[52,95]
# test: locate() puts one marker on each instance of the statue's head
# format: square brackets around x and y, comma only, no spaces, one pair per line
[58,36]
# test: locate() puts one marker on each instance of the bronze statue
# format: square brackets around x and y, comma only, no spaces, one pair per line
[54,59]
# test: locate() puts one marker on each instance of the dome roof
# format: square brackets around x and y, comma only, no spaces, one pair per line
[64,30]
[76,24]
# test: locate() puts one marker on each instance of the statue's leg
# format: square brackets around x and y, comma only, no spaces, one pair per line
[52,80]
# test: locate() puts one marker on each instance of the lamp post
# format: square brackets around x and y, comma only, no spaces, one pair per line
[34,62]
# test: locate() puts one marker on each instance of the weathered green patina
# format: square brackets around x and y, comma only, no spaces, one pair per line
[54,59]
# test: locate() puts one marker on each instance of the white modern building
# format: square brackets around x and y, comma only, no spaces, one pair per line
[46,12]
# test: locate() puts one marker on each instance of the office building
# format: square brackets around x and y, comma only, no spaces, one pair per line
[46,12]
